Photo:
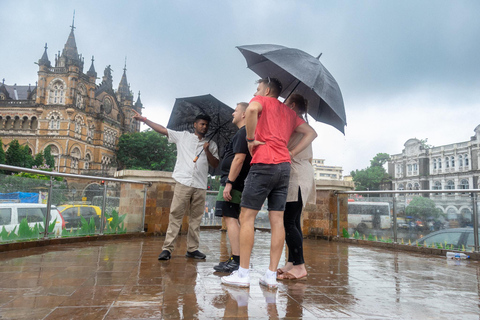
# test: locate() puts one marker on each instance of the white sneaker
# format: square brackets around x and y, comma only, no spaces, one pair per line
[234,280]
[269,282]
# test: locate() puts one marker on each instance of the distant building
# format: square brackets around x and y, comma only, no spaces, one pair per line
[323,172]
[453,166]
[68,111]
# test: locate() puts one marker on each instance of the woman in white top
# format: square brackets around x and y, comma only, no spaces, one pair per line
[301,190]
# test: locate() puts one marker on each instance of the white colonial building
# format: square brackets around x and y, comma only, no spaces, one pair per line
[447,167]
[323,172]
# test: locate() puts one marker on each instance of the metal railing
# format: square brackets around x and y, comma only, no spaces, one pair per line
[473,193]
[68,175]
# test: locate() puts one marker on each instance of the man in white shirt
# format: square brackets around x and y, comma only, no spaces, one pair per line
[191,182]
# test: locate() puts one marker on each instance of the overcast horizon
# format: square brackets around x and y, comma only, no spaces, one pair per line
[406,69]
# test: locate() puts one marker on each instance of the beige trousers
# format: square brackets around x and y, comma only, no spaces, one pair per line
[186,200]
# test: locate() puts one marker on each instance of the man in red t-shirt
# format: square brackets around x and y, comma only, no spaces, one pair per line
[269,125]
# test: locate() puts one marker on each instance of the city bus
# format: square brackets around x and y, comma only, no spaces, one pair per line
[369,215]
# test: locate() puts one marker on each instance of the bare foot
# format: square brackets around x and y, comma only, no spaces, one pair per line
[296,272]
[285,268]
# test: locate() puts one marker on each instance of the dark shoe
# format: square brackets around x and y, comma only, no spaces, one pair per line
[221,264]
[165,255]
[228,267]
[195,254]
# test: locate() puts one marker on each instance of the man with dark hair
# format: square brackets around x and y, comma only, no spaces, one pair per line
[269,124]
[235,166]
[191,182]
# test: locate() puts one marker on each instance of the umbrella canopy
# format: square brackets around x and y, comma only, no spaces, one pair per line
[221,128]
[300,73]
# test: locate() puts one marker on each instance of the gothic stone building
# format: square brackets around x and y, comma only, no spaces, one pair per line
[453,166]
[68,111]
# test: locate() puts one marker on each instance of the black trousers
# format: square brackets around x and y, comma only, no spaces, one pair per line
[293,230]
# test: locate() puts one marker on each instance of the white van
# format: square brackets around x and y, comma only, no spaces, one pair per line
[11,214]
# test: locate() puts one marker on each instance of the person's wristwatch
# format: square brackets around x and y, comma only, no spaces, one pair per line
[229,181]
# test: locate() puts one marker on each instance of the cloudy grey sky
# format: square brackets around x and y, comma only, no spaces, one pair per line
[406,68]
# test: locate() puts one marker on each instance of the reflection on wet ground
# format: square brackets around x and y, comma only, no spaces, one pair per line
[122,279]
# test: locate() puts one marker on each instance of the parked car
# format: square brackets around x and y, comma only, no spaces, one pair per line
[73,213]
[11,214]
[402,223]
[457,237]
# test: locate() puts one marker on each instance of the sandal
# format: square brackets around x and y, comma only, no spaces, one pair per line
[288,276]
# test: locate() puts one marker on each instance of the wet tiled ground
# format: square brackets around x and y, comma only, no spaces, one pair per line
[122,279]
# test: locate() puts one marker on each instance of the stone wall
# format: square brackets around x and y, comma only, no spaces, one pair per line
[159,198]
[320,220]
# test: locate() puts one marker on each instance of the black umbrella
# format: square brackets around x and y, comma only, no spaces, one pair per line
[300,73]
[221,128]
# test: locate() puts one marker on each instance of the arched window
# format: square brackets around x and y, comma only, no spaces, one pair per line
[78,124]
[447,162]
[453,161]
[452,214]
[75,157]
[437,185]
[466,160]
[34,123]
[463,184]
[460,161]
[56,155]
[8,122]
[17,123]
[80,97]
[416,186]
[54,123]
[435,163]
[450,185]
[439,163]
[409,186]
[88,159]
[401,186]
[56,94]
[25,123]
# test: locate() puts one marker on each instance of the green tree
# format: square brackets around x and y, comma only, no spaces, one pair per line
[38,161]
[373,176]
[28,160]
[14,155]
[147,150]
[2,153]
[49,159]
[423,208]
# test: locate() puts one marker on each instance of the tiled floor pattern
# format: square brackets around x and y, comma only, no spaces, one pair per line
[122,279]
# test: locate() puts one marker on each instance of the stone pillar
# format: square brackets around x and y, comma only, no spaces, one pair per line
[159,198]
[320,220]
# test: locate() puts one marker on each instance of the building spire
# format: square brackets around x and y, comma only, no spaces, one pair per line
[139,104]
[44,59]
[123,88]
[91,72]
[73,22]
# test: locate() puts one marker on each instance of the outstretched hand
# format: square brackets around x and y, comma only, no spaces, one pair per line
[138,116]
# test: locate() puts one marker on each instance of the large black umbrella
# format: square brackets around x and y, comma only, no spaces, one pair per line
[221,128]
[300,73]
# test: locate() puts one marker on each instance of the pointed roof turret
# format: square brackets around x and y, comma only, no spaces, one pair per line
[44,59]
[138,104]
[91,72]
[70,50]
[123,88]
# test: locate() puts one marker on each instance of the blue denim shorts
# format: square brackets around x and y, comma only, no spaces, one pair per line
[266,181]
